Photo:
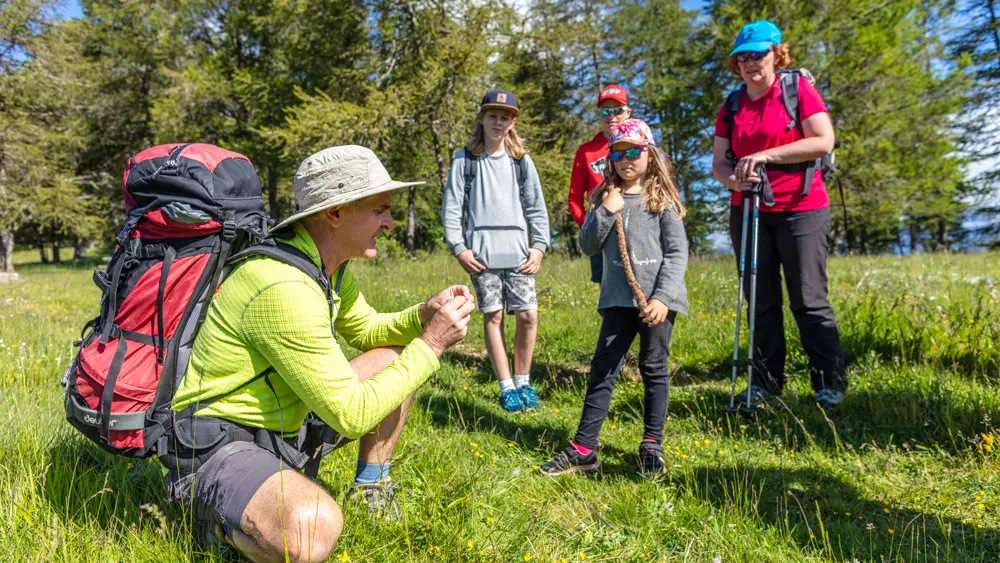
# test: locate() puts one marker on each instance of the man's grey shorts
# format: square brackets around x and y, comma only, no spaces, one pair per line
[221,489]
[496,289]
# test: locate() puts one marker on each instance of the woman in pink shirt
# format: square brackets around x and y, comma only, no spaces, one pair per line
[794,232]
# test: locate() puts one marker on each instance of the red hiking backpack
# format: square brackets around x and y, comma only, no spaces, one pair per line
[189,208]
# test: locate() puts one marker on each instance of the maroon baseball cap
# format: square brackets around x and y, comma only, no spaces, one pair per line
[613,92]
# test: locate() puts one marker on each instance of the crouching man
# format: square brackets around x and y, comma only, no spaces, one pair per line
[269,354]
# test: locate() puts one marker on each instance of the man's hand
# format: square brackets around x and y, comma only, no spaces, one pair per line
[534,262]
[612,199]
[469,263]
[655,313]
[448,325]
[426,310]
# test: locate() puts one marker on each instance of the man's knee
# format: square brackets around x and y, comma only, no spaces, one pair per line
[527,319]
[317,528]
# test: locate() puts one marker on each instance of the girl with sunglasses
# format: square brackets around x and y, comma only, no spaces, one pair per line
[640,185]
[794,232]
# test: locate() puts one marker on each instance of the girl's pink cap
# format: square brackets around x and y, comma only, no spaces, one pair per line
[634,131]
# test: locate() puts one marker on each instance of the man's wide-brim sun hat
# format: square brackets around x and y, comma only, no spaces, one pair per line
[757,36]
[337,176]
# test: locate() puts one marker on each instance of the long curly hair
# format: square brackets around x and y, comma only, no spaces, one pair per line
[659,188]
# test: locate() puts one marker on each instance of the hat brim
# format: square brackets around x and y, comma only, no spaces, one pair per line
[755,46]
[511,109]
[347,198]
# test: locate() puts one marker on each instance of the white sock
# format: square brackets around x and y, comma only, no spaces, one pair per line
[522,380]
[506,385]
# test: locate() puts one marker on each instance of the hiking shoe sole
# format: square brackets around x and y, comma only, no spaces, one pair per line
[587,468]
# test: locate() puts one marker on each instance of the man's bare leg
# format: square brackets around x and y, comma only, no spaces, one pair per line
[496,347]
[289,515]
[525,332]
[377,446]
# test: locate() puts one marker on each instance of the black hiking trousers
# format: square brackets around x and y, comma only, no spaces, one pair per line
[618,330]
[798,243]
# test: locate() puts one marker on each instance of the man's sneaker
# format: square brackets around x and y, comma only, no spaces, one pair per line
[510,400]
[758,396]
[828,398]
[379,499]
[651,460]
[528,397]
[570,460]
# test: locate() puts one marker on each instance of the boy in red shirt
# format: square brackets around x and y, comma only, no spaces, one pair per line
[592,157]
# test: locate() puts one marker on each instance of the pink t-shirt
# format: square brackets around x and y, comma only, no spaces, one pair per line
[763,123]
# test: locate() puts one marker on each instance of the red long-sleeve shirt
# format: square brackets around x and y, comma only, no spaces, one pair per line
[588,173]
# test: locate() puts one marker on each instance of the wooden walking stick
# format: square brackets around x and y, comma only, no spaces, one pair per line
[627,263]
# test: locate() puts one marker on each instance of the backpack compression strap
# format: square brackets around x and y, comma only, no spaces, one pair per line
[790,99]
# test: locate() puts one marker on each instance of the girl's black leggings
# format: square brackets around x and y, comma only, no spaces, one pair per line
[618,330]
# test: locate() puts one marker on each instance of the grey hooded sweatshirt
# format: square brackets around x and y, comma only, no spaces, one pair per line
[499,229]
[659,254]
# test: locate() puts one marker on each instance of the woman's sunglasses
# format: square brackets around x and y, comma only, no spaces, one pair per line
[751,56]
[607,112]
[630,154]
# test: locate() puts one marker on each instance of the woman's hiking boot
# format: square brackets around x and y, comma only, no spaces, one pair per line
[570,460]
[828,398]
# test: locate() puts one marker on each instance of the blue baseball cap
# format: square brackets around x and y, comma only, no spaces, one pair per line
[758,36]
[500,99]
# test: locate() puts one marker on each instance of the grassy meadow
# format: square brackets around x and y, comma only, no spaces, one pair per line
[905,470]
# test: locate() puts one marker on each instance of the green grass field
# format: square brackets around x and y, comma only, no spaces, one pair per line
[905,470]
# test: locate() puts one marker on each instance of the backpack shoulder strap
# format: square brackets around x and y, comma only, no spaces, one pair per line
[521,170]
[732,106]
[469,172]
[790,96]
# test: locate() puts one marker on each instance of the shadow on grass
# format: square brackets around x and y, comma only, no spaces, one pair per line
[88,486]
[543,375]
[818,510]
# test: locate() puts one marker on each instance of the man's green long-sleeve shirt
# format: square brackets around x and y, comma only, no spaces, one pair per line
[269,315]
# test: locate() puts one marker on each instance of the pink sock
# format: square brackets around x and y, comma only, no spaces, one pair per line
[581,449]
[649,441]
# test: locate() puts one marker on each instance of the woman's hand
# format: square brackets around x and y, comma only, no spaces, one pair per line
[746,168]
[613,200]
[655,312]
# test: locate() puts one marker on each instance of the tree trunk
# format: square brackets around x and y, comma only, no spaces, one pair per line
[411,220]
[439,156]
[942,236]
[80,248]
[42,254]
[7,251]
[56,258]
[272,189]
[913,238]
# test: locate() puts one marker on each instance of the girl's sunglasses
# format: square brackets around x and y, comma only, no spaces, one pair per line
[607,112]
[630,154]
[751,56]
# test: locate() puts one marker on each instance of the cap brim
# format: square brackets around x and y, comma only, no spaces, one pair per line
[387,187]
[502,106]
[757,46]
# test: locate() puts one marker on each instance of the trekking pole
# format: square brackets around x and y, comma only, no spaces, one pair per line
[755,193]
[739,299]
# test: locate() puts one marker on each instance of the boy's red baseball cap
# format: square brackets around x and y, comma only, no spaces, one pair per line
[613,92]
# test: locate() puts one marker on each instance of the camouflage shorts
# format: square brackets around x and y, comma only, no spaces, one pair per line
[499,289]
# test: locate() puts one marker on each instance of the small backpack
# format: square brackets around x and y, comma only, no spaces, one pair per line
[189,207]
[789,83]
[469,174]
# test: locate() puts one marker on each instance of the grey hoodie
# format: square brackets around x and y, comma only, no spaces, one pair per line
[498,229]
[659,253]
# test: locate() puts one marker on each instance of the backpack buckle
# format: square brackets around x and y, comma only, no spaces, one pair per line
[229,230]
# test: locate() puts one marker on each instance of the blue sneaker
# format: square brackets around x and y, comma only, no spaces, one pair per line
[758,396]
[828,398]
[510,400]
[528,397]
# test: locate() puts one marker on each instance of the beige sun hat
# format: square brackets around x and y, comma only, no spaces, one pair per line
[338,175]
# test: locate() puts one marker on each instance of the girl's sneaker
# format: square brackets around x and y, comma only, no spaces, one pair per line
[510,400]
[651,461]
[570,460]
[528,397]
